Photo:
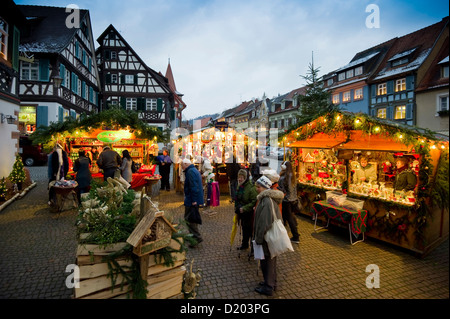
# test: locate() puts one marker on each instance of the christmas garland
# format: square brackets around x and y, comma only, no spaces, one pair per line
[114,118]
[431,191]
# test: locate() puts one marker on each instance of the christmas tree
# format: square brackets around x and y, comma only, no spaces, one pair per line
[17,175]
[3,189]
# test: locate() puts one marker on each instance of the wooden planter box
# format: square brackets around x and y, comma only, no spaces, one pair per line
[163,282]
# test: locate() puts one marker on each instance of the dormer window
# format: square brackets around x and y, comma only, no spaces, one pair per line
[401,58]
[341,76]
[399,62]
[349,74]
[358,70]
[444,71]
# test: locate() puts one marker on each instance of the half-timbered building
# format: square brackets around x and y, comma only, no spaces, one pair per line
[127,81]
[58,70]
[11,19]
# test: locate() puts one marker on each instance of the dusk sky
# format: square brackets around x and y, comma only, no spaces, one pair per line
[225,52]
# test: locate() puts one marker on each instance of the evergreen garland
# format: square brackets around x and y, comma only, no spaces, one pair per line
[431,191]
[114,119]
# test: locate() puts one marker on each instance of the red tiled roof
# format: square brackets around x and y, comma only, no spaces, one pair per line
[433,78]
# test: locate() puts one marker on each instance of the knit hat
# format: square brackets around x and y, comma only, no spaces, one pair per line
[264,182]
[186,161]
[243,172]
[272,175]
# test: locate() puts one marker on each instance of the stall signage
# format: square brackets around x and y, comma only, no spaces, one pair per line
[113,136]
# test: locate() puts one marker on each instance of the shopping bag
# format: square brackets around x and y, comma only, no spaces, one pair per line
[258,251]
[277,237]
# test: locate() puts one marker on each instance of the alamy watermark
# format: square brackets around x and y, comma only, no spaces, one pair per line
[373,280]
[373,19]
[73,280]
[73,19]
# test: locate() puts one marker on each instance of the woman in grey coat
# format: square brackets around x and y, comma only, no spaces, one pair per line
[125,168]
[267,201]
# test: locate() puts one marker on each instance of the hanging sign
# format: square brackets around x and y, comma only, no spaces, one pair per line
[113,136]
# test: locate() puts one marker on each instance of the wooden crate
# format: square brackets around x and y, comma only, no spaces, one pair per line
[163,282]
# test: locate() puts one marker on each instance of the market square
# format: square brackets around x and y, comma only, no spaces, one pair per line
[326,179]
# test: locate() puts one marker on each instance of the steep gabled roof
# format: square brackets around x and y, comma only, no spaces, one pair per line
[46,30]
[433,78]
[416,45]
[177,95]
[162,80]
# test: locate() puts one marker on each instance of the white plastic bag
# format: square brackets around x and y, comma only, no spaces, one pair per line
[277,237]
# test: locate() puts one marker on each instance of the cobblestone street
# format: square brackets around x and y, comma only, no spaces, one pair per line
[36,247]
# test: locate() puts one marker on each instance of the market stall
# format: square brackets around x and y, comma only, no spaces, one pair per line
[215,145]
[395,173]
[92,143]
[116,128]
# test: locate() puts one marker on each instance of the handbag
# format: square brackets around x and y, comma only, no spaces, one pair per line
[277,237]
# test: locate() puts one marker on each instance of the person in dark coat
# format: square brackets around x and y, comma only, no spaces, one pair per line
[164,162]
[288,185]
[83,178]
[58,166]
[109,161]
[245,202]
[406,179]
[232,173]
[193,198]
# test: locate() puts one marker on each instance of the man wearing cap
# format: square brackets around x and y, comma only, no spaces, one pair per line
[109,161]
[193,197]
[268,200]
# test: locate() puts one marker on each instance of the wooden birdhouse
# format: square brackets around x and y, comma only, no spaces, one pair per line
[152,233]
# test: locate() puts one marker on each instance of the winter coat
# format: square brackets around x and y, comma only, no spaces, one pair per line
[246,199]
[125,168]
[55,165]
[288,188]
[109,159]
[193,188]
[81,166]
[264,217]
[405,180]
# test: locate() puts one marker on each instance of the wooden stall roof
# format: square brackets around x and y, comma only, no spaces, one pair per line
[321,140]
[360,141]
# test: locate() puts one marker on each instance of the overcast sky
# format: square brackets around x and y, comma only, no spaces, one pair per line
[223,52]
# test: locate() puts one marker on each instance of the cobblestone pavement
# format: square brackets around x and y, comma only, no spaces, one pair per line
[36,246]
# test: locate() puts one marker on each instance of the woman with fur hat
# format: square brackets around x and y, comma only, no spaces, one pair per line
[244,204]
[268,200]
[288,185]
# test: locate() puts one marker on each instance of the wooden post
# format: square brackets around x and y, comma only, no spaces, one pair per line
[143,262]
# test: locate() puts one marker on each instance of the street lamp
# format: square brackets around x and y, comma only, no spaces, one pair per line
[57,80]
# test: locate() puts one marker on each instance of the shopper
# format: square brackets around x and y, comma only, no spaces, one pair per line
[59,163]
[83,178]
[273,176]
[193,197]
[109,161]
[164,162]
[243,207]
[125,168]
[58,166]
[232,173]
[267,202]
[288,185]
